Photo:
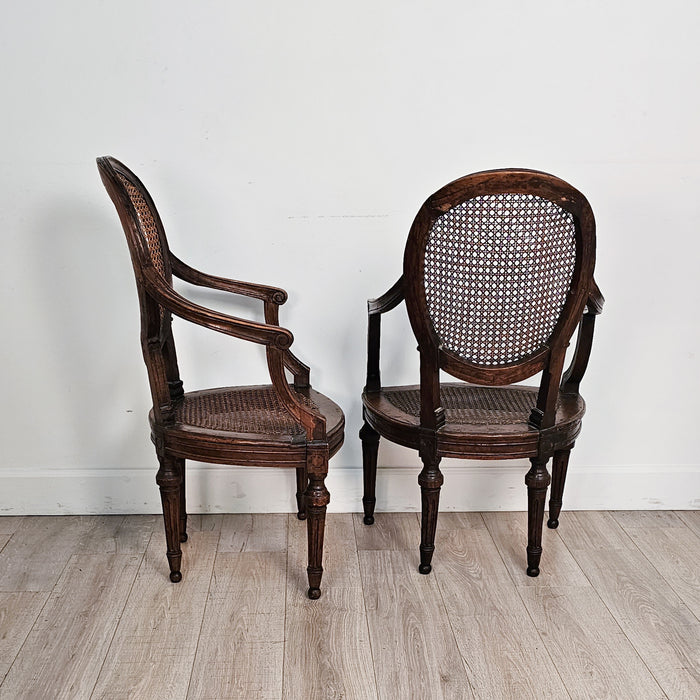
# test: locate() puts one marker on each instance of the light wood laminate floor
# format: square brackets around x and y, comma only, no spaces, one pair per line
[87,609]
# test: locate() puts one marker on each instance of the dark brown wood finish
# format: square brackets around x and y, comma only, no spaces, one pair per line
[470,244]
[275,425]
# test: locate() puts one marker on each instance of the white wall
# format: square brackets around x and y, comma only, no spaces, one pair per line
[292,143]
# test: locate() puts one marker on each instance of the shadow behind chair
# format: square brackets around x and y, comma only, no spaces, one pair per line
[498,273]
[277,425]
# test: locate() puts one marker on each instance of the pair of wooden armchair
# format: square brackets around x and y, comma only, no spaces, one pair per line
[498,273]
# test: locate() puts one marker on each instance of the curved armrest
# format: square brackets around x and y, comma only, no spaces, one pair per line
[387,301]
[595,299]
[262,333]
[312,421]
[375,308]
[571,379]
[183,271]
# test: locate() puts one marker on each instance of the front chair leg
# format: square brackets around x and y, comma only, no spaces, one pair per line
[560,464]
[317,498]
[537,481]
[183,504]
[169,479]
[430,480]
[370,448]
[302,483]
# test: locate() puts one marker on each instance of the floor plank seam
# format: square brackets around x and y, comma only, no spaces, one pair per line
[612,614]
[204,613]
[669,582]
[286,600]
[527,611]
[121,615]
[353,520]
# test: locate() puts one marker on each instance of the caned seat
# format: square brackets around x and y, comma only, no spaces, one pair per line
[479,421]
[281,424]
[497,275]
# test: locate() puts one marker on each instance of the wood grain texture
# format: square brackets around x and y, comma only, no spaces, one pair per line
[205,522]
[241,644]
[64,651]
[502,651]
[9,523]
[662,629]
[672,549]
[39,550]
[4,539]
[327,650]
[509,532]
[591,653]
[245,532]
[18,613]
[414,650]
[691,518]
[153,649]
[398,531]
[118,534]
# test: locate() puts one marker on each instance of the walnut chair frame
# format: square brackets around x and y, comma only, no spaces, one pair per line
[278,425]
[498,274]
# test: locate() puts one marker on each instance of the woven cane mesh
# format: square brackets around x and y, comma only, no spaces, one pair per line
[497,272]
[148,225]
[472,405]
[241,410]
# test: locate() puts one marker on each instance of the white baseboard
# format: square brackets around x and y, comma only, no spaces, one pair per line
[216,489]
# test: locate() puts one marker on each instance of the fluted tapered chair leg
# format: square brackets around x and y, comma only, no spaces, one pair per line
[430,480]
[317,498]
[169,479]
[370,449]
[560,464]
[537,481]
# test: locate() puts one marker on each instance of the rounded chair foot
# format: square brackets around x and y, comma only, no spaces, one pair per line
[533,571]
[314,593]
[368,520]
[301,516]
[183,537]
[425,568]
[175,576]
[552,523]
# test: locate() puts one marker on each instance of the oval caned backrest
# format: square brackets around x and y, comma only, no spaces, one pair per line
[145,232]
[497,271]
[148,247]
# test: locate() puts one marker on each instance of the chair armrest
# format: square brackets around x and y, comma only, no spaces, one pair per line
[184,272]
[387,301]
[595,299]
[263,333]
[313,422]
[571,379]
[375,308]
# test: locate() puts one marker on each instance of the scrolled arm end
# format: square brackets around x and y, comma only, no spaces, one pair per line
[282,340]
[279,297]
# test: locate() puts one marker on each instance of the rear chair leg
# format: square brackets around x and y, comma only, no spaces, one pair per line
[537,481]
[183,505]
[169,479]
[302,483]
[560,464]
[370,448]
[430,480]
[317,498]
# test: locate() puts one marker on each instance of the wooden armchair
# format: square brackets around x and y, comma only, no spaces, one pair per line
[498,273]
[277,425]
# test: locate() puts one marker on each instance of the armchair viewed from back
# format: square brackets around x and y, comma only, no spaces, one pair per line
[275,425]
[497,275]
